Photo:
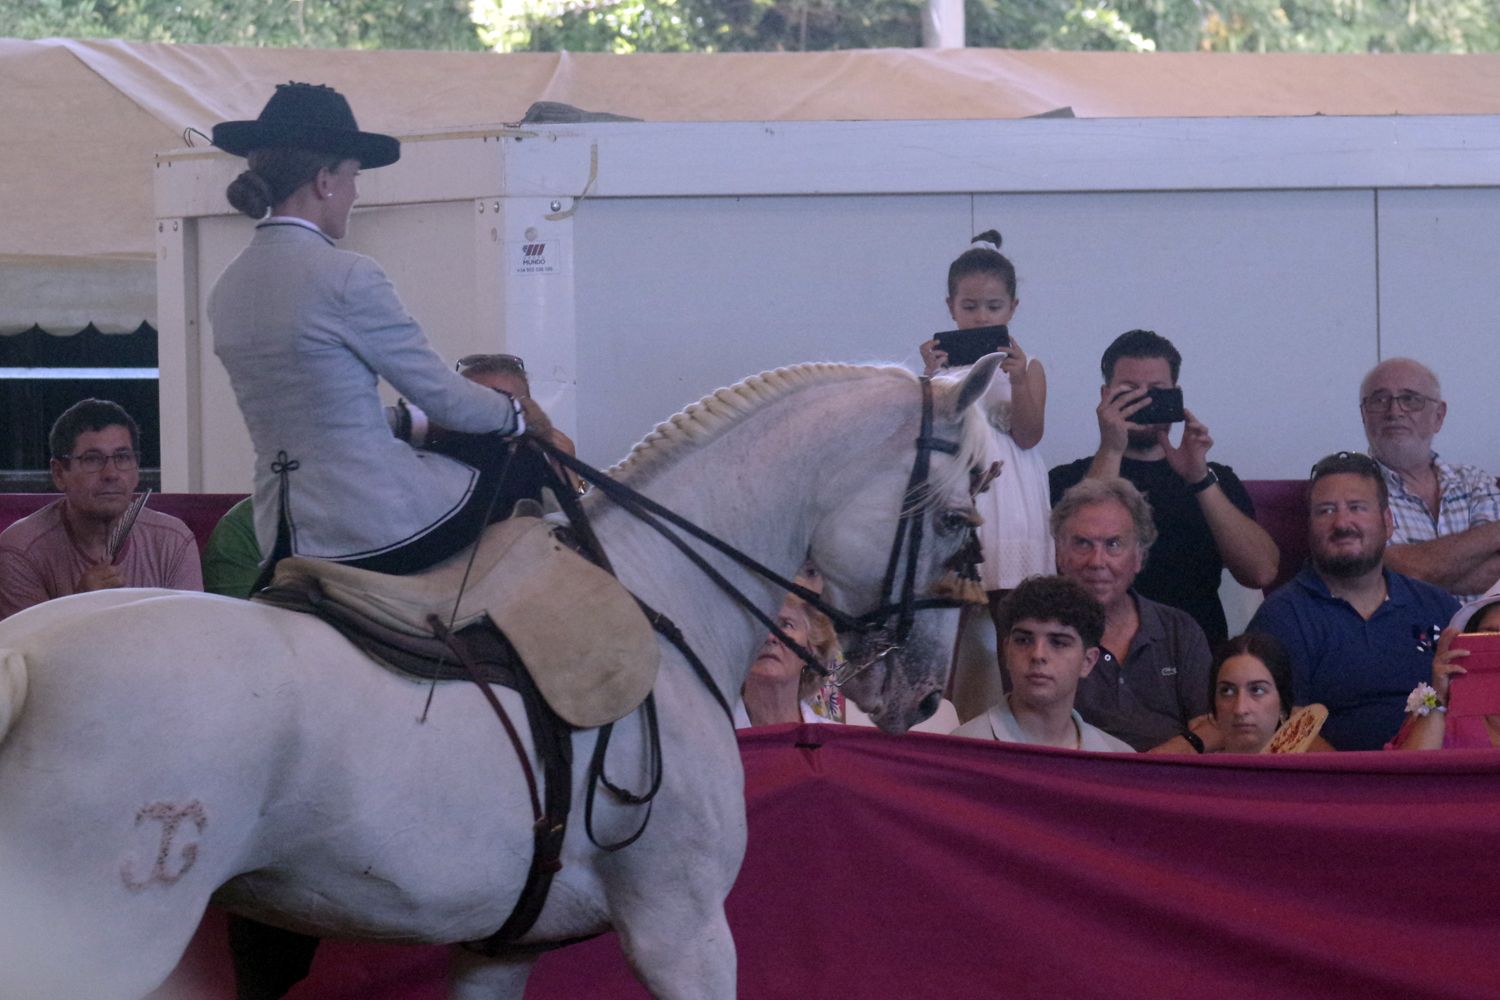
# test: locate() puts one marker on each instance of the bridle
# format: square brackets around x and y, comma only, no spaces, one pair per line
[874,626]
[880,636]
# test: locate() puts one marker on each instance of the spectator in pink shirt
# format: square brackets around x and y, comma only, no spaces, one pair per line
[63,548]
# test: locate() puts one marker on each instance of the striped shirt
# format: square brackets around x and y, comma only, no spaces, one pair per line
[1468,496]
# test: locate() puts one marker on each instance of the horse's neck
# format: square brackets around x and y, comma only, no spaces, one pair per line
[758,486]
[766,524]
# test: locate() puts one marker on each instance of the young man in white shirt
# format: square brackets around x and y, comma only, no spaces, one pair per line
[1051,627]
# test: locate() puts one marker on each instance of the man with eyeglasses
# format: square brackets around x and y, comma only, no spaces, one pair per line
[1150,684]
[1447,517]
[1360,635]
[63,548]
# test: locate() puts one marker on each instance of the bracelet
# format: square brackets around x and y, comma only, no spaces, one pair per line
[1194,740]
[1423,701]
[1203,484]
[515,408]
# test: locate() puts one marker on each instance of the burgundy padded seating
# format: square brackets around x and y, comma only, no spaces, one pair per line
[1280,508]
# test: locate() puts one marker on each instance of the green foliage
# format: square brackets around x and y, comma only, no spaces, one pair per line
[810,25]
[50,19]
[542,25]
[698,25]
[1310,25]
[1050,24]
[349,24]
[1125,25]
[773,25]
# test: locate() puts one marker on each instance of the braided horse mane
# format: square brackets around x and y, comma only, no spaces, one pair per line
[700,423]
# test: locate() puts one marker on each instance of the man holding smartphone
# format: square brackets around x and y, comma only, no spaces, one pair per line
[1203,515]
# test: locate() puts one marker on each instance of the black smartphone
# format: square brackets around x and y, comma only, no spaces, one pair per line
[964,347]
[1165,407]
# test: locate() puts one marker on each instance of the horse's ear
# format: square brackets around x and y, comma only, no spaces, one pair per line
[976,381]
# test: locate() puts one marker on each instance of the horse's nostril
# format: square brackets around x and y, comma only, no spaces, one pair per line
[930,705]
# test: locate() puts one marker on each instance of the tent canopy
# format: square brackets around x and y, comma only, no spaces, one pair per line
[86,117]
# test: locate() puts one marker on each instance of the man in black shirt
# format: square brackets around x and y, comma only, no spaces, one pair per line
[1203,515]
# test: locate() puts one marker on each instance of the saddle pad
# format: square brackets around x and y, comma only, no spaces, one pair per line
[581,633]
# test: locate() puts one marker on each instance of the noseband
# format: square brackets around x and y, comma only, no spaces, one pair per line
[881,637]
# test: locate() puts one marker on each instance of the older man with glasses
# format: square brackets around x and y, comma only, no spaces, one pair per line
[1447,517]
[1361,636]
[73,545]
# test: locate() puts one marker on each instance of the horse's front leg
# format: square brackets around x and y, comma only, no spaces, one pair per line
[670,912]
[687,957]
[475,977]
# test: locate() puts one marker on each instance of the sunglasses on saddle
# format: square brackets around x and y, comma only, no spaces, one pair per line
[491,363]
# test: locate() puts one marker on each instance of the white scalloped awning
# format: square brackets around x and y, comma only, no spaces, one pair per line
[65,294]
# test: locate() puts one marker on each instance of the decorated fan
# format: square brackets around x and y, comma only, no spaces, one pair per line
[121,530]
[1297,733]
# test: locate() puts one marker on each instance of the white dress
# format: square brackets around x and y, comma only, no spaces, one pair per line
[1015,535]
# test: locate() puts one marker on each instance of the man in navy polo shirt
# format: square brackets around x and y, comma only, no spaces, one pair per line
[1361,636]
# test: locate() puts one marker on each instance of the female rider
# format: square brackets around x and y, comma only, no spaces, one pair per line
[306,331]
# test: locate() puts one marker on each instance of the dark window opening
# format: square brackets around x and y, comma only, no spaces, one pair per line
[35,389]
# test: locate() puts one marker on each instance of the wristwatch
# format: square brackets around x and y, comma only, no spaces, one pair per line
[1203,483]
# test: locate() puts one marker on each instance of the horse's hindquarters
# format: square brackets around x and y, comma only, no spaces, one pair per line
[171,745]
[123,802]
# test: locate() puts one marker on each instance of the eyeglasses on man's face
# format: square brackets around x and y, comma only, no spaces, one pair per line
[95,461]
[1409,402]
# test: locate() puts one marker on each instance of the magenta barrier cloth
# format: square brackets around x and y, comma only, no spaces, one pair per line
[936,867]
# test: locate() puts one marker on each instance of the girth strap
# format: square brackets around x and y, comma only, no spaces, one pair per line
[554,748]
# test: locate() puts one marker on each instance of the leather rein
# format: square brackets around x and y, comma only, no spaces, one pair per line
[875,626]
[554,745]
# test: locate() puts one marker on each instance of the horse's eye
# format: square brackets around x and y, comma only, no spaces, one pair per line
[953,521]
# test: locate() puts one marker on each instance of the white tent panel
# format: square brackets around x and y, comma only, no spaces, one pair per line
[1267,294]
[683,295]
[1440,303]
[83,118]
[66,294]
[681,257]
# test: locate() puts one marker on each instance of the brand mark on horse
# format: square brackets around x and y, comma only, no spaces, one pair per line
[170,815]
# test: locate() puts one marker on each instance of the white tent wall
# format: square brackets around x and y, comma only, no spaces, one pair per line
[83,117]
[1284,256]
[1267,308]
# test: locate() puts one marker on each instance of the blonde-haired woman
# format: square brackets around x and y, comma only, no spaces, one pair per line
[780,687]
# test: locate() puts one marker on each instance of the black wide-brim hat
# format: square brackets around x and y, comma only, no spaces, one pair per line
[313,117]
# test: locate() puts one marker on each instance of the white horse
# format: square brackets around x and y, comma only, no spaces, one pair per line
[163,749]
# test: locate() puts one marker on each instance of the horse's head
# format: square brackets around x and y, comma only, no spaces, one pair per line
[893,539]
